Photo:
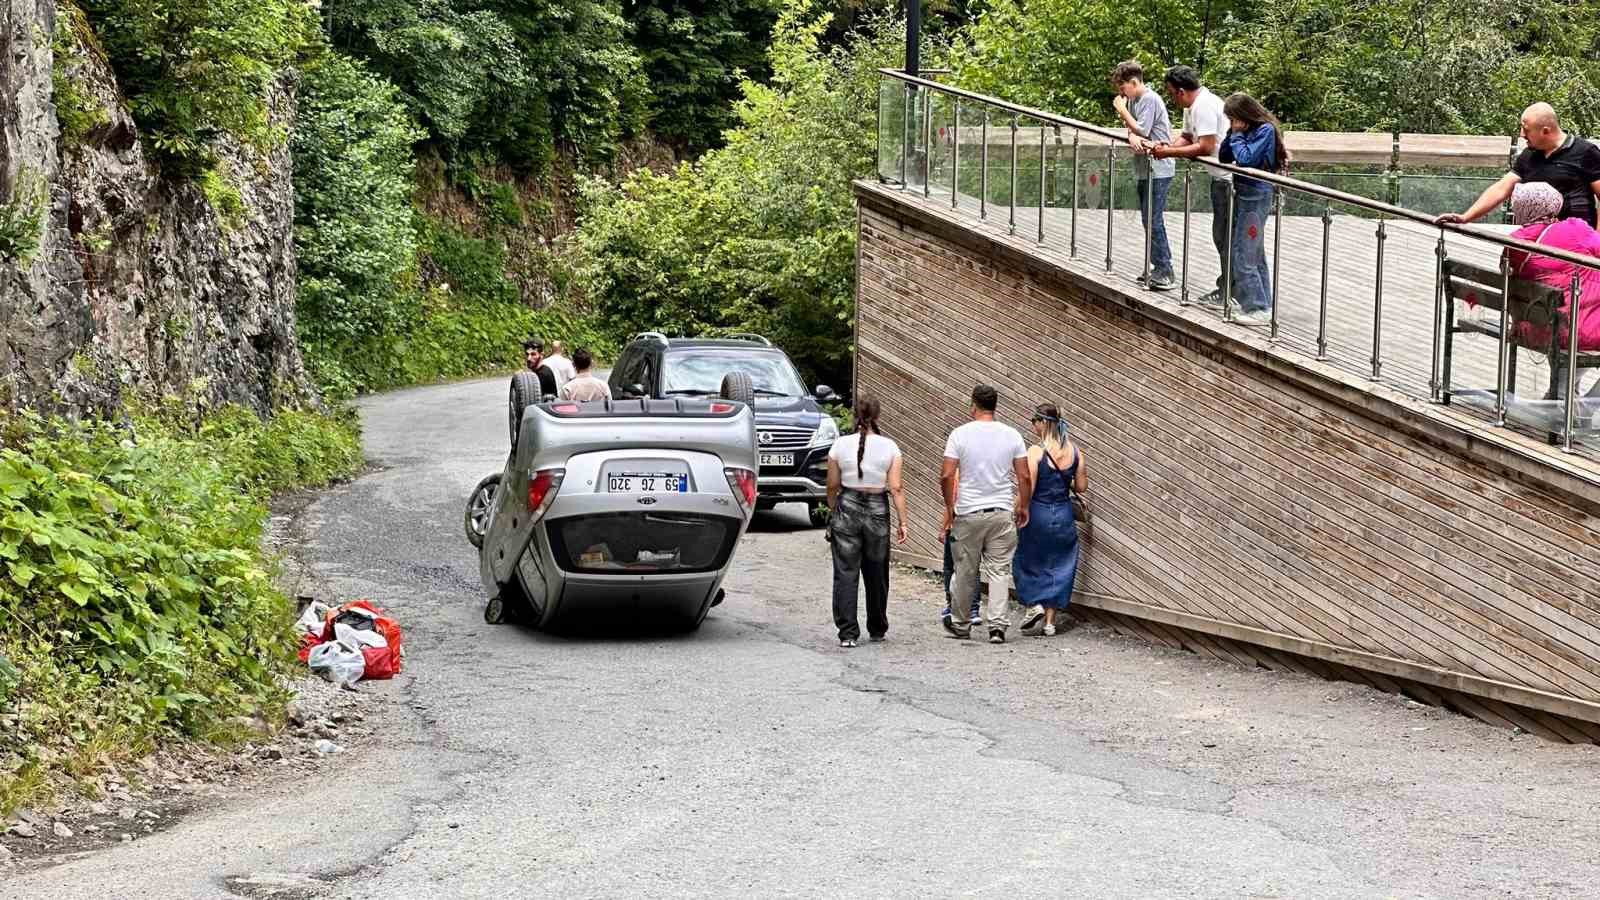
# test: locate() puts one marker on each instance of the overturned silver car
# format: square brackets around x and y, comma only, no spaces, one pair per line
[631,506]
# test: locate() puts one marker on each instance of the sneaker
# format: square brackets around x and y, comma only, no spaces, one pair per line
[1255,318]
[1162,282]
[977,620]
[1034,617]
[1212,299]
[950,626]
[875,638]
[846,642]
[997,636]
[1050,630]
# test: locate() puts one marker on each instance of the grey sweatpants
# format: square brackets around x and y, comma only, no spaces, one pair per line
[984,541]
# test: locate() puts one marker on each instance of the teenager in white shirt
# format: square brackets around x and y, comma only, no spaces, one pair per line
[863,475]
[986,486]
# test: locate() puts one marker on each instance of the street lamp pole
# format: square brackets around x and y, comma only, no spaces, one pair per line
[913,36]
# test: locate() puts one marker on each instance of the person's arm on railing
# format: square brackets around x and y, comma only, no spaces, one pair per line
[1185,148]
[1490,199]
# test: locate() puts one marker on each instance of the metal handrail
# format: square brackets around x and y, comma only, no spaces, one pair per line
[1385,211]
[1305,187]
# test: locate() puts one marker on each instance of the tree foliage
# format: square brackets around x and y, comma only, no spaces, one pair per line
[758,234]
[694,54]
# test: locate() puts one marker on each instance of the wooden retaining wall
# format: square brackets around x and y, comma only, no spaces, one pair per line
[1247,503]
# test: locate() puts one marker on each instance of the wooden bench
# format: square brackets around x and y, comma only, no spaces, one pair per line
[1530,301]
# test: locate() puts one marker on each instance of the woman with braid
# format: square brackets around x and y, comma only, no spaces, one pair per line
[863,474]
[1046,562]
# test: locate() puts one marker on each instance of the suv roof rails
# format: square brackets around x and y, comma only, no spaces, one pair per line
[651,335]
[749,336]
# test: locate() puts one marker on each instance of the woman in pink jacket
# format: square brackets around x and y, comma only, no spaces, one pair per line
[1536,206]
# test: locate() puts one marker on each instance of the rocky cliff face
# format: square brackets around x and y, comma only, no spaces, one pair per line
[129,280]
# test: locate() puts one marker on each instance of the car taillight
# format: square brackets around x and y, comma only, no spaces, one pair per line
[720,408]
[566,409]
[542,488]
[743,482]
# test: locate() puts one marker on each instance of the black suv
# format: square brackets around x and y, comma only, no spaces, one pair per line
[793,432]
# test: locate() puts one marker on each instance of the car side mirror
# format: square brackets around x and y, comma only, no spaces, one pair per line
[825,394]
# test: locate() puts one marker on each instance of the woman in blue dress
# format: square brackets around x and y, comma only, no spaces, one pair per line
[1047,548]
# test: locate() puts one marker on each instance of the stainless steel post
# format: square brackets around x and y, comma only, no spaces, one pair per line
[905,137]
[955,157]
[1011,201]
[1227,259]
[1377,302]
[1111,197]
[927,142]
[1149,220]
[1183,289]
[1322,302]
[1044,156]
[1502,358]
[1435,389]
[1072,240]
[877,139]
[983,168]
[1572,361]
[1277,256]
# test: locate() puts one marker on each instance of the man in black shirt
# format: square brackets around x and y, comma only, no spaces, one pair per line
[533,352]
[1569,164]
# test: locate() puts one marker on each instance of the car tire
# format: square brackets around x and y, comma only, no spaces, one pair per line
[738,387]
[524,393]
[479,504]
[509,606]
[818,514]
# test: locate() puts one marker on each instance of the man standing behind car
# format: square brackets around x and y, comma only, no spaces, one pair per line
[533,352]
[982,459]
[584,387]
[565,370]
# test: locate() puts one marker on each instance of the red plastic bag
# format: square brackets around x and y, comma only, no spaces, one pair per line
[364,614]
[307,641]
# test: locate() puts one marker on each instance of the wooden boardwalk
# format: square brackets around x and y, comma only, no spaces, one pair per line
[1404,338]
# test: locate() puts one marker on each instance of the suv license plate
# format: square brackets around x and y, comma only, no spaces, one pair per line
[647,483]
[777,459]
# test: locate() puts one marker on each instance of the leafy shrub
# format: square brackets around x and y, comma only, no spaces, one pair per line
[135,599]
[22,217]
[759,235]
[77,111]
[694,56]
[355,237]
[194,69]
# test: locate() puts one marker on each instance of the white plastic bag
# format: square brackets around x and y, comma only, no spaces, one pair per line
[358,637]
[310,621]
[338,661]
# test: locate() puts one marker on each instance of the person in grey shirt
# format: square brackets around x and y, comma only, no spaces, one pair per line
[1145,114]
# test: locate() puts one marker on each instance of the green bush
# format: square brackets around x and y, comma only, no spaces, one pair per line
[77,111]
[759,235]
[22,217]
[355,237]
[195,69]
[135,598]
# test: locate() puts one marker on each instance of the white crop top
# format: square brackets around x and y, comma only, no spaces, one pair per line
[881,453]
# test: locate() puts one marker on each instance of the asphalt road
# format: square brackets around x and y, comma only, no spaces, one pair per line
[757,758]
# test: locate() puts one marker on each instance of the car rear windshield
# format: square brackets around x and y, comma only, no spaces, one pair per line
[701,371]
[642,543]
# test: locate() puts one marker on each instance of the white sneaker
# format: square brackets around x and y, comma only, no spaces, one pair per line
[1050,630]
[1032,619]
[1259,318]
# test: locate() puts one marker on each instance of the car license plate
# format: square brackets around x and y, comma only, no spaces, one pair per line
[647,483]
[777,459]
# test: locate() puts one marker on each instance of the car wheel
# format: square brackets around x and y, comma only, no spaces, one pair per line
[510,605]
[738,387]
[479,504]
[524,393]
[818,514]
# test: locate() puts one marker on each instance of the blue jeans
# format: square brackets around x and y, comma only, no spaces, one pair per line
[949,570]
[1252,287]
[1160,252]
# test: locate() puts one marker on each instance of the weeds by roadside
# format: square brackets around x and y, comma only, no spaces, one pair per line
[136,601]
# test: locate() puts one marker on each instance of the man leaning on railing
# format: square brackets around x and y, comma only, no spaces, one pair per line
[1204,127]
[1567,163]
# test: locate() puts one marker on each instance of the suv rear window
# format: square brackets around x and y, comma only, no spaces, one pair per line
[642,543]
[701,371]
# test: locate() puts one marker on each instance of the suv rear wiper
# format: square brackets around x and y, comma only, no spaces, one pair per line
[689,392]
[765,392]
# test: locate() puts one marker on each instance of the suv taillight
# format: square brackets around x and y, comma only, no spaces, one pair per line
[542,488]
[743,483]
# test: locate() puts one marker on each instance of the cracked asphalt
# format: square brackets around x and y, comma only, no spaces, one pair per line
[757,758]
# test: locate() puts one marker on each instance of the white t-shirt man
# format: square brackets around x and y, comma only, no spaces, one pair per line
[1205,116]
[562,368]
[985,450]
[875,462]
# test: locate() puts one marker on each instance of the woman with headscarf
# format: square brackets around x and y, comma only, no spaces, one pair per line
[1046,562]
[1536,208]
